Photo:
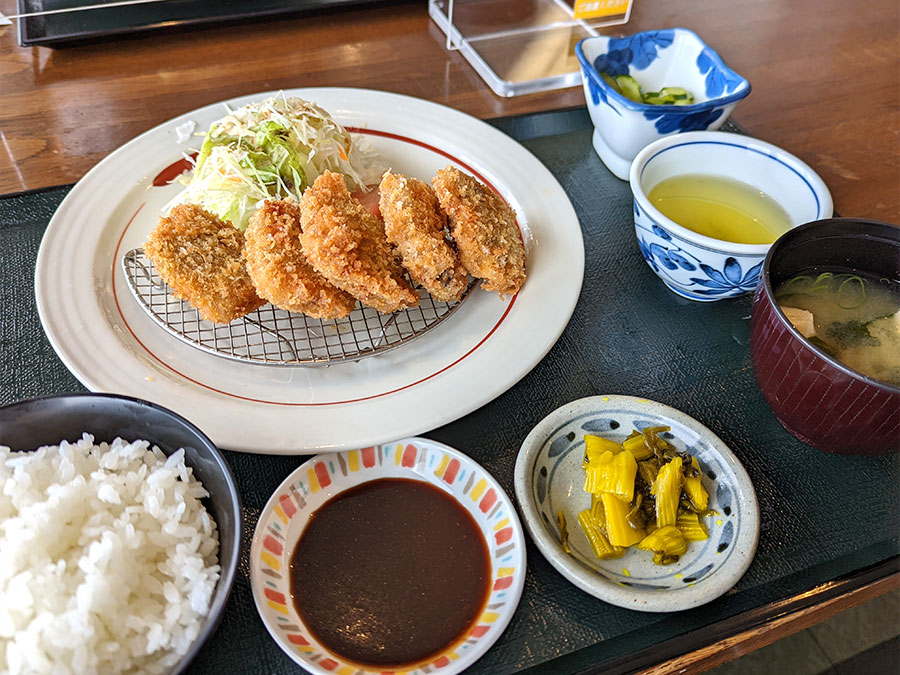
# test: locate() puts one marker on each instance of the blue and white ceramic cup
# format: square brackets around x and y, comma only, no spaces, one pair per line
[700,267]
[675,57]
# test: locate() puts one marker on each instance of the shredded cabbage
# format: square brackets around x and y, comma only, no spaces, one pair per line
[272,149]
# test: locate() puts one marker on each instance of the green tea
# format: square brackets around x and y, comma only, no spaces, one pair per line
[721,208]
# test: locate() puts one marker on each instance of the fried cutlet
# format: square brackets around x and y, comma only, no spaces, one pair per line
[346,244]
[279,269]
[414,224]
[484,228]
[199,257]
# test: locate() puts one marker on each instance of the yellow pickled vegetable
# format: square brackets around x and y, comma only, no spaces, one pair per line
[618,530]
[563,531]
[691,527]
[597,512]
[595,447]
[596,472]
[658,445]
[667,543]
[612,473]
[644,492]
[648,471]
[694,489]
[638,447]
[667,490]
[599,543]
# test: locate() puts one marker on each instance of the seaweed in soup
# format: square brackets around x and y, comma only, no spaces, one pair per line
[856,319]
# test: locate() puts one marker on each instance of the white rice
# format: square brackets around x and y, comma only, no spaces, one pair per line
[108,560]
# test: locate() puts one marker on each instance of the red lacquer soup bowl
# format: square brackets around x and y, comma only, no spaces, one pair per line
[816,397]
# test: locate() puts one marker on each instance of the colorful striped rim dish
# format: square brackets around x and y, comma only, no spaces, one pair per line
[316,481]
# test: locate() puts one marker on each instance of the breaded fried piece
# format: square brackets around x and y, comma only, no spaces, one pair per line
[414,223]
[346,244]
[279,270]
[199,257]
[484,228]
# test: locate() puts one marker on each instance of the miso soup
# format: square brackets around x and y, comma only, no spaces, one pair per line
[854,318]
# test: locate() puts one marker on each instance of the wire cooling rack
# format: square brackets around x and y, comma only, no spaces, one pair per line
[278,337]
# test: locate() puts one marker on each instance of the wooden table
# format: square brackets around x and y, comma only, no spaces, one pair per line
[824,80]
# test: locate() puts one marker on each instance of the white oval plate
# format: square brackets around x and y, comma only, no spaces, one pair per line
[110,344]
[316,481]
[549,477]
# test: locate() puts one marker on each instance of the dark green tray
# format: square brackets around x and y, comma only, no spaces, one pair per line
[825,518]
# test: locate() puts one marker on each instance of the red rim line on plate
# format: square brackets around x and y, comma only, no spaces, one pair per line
[167,173]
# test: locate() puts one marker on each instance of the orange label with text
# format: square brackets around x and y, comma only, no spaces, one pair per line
[593,9]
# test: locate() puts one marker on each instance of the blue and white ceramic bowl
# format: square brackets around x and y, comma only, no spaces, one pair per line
[549,478]
[675,57]
[700,267]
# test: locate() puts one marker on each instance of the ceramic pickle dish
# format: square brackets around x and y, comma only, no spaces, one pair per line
[675,57]
[549,477]
[321,478]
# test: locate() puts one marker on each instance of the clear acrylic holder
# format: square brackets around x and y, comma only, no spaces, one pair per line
[518,46]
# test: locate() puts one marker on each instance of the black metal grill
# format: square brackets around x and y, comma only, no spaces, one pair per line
[277,337]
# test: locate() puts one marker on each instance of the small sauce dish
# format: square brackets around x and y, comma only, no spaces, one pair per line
[303,510]
[675,57]
[699,267]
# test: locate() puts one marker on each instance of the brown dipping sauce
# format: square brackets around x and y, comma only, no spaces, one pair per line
[390,573]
